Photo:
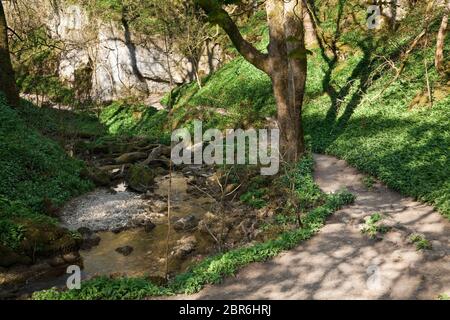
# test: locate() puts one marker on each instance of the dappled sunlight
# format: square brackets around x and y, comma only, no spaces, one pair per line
[342,263]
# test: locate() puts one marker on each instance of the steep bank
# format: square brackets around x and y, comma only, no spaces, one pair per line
[37,177]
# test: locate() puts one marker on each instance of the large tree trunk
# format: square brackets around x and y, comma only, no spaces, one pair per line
[439,57]
[7,79]
[295,34]
[288,73]
[279,73]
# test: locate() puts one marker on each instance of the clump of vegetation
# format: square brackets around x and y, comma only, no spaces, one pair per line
[61,125]
[443,296]
[369,182]
[373,226]
[34,168]
[256,195]
[420,241]
[130,119]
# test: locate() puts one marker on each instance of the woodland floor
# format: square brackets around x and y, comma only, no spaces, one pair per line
[343,263]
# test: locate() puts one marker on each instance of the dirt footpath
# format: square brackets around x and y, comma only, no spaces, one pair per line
[342,263]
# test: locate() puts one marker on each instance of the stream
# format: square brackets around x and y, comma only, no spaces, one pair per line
[149,248]
[112,215]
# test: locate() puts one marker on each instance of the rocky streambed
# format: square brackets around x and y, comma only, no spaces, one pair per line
[123,224]
[125,232]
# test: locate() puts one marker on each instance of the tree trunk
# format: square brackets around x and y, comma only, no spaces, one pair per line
[297,59]
[7,79]
[287,54]
[439,57]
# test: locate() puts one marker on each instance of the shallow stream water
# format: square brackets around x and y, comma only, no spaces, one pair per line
[149,248]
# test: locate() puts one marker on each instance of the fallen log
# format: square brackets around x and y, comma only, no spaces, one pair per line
[130,157]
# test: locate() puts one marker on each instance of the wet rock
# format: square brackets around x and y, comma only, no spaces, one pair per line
[117,230]
[9,258]
[72,257]
[90,239]
[99,177]
[186,223]
[211,224]
[126,250]
[184,247]
[57,261]
[159,206]
[140,178]
[144,222]
[149,226]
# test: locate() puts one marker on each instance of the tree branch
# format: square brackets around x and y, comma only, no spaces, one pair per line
[218,15]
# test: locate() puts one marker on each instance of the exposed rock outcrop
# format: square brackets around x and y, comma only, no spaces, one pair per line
[117,62]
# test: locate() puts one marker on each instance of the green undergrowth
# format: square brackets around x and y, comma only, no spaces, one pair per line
[128,119]
[61,124]
[213,269]
[36,177]
[352,110]
[239,88]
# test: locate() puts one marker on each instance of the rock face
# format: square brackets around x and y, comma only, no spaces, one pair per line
[116,62]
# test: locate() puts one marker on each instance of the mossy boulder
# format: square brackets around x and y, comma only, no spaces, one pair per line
[9,258]
[101,178]
[140,178]
[40,239]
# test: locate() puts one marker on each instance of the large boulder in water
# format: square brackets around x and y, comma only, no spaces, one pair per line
[186,223]
[126,250]
[140,178]
[100,178]
[9,258]
[184,247]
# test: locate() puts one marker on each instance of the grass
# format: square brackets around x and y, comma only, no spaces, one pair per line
[406,149]
[369,182]
[373,226]
[123,118]
[33,167]
[36,176]
[420,241]
[443,296]
[61,125]
[213,269]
